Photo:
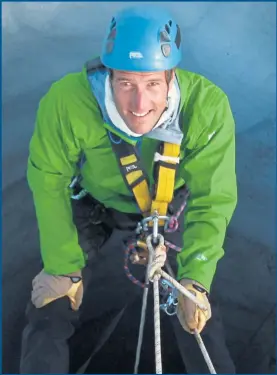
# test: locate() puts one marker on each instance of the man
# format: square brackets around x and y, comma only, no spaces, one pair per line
[134,96]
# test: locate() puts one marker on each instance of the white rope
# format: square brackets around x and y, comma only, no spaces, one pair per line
[157,325]
[204,352]
[156,261]
[143,314]
[196,333]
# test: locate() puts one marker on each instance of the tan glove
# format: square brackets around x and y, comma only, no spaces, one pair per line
[141,257]
[48,288]
[189,314]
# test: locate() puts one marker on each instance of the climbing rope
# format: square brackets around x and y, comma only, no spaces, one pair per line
[154,274]
[143,314]
[204,352]
[156,261]
[157,325]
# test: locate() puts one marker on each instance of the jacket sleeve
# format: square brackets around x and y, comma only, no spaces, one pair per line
[209,172]
[53,154]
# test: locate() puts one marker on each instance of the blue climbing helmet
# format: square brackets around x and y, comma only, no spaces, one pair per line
[142,39]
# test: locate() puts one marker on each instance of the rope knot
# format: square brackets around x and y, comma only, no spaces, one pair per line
[157,257]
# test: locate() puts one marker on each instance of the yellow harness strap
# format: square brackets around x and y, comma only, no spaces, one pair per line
[165,172]
[136,179]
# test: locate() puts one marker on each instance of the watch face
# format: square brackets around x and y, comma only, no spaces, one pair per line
[197,287]
[75,279]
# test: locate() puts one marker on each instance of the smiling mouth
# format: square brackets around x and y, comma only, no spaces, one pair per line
[141,114]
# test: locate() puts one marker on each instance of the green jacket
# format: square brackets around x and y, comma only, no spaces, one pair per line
[69,122]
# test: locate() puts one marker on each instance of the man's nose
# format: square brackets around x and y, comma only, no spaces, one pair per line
[139,100]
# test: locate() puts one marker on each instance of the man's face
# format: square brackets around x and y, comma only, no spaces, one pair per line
[140,98]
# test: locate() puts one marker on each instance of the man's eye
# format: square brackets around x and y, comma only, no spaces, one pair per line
[154,84]
[125,84]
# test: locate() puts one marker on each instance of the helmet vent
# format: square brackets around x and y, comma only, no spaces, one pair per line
[109,47]
[164,37]
[167,28]
[112,34]
[111,37]
[178,37]
[113,23]
[166,49]
[170,23]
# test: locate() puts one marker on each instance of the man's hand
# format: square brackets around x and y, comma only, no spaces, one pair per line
[189,314]
[48,288]
[142,255]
